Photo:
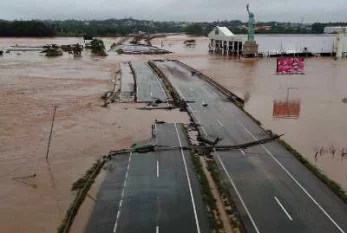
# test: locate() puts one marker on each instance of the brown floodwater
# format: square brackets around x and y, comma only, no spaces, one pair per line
[313,119]
[309,109]
[35,194]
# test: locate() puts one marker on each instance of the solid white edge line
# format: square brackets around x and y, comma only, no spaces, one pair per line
[203,129]
[179,92]
[157,169]
[122,196]
[237,192]
[297,182]
[284,210]
[193,112]
[160,85]
[157,229]
[188,179]
[156,134]
[197,120]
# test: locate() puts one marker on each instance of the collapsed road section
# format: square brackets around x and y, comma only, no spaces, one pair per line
[127,83]
[149,86]
[155,191]
[137,82]
[273,191]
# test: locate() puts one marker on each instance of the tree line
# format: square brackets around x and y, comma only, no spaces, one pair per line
[25,29]
[122,27]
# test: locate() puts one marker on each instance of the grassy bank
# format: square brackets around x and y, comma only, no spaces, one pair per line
[215,223]
[82,187]
[231,209]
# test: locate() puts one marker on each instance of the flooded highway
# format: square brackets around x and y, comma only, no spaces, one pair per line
[34,194]
[313,118]
[318,128]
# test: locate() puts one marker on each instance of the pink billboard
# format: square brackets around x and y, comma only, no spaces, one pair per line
[290,65]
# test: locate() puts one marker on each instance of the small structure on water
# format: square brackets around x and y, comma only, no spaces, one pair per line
[223,41]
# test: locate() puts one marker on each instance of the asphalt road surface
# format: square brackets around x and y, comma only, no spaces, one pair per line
[149,86]
[273,191]
[127,82]
[152,192]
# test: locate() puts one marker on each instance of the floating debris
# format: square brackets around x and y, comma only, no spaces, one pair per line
[53,52]
[140,49]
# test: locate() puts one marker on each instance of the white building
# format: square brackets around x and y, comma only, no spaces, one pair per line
[222,40]
[338,29]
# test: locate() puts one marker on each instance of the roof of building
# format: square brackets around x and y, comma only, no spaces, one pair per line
[225,31]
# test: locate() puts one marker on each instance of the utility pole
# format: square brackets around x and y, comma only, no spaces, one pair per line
[50,134]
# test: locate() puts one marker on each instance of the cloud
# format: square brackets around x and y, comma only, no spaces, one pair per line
[179,10]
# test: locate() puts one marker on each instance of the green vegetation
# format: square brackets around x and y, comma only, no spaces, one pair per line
[25,29]
[98,47]
[54,53]
[195,30]
[225,194]
[122,27]
[82,187]
[207,196]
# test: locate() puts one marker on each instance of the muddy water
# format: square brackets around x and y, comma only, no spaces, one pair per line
[35,194]
[30,83]
[308,108]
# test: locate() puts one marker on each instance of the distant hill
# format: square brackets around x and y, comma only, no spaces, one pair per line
[122,27]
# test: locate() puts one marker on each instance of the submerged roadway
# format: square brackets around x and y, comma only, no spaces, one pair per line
[273,191]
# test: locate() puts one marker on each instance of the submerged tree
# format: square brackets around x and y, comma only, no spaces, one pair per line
[98,47]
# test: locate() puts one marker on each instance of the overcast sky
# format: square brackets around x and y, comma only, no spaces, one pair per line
[178,10]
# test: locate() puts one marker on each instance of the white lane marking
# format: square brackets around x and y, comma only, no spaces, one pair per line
[284,210]
[243,152]
[161,87]
[137,91]
[151,94]
[157,169]
[237,192]
[188,179]
[180,93]
[193,112]
[197,119]
[220,123]
[297,182]
[157,229]
[191,89]
[122,196]
[156,134]
[203,129]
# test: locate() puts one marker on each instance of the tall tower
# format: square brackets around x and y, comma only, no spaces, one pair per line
[250,48]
